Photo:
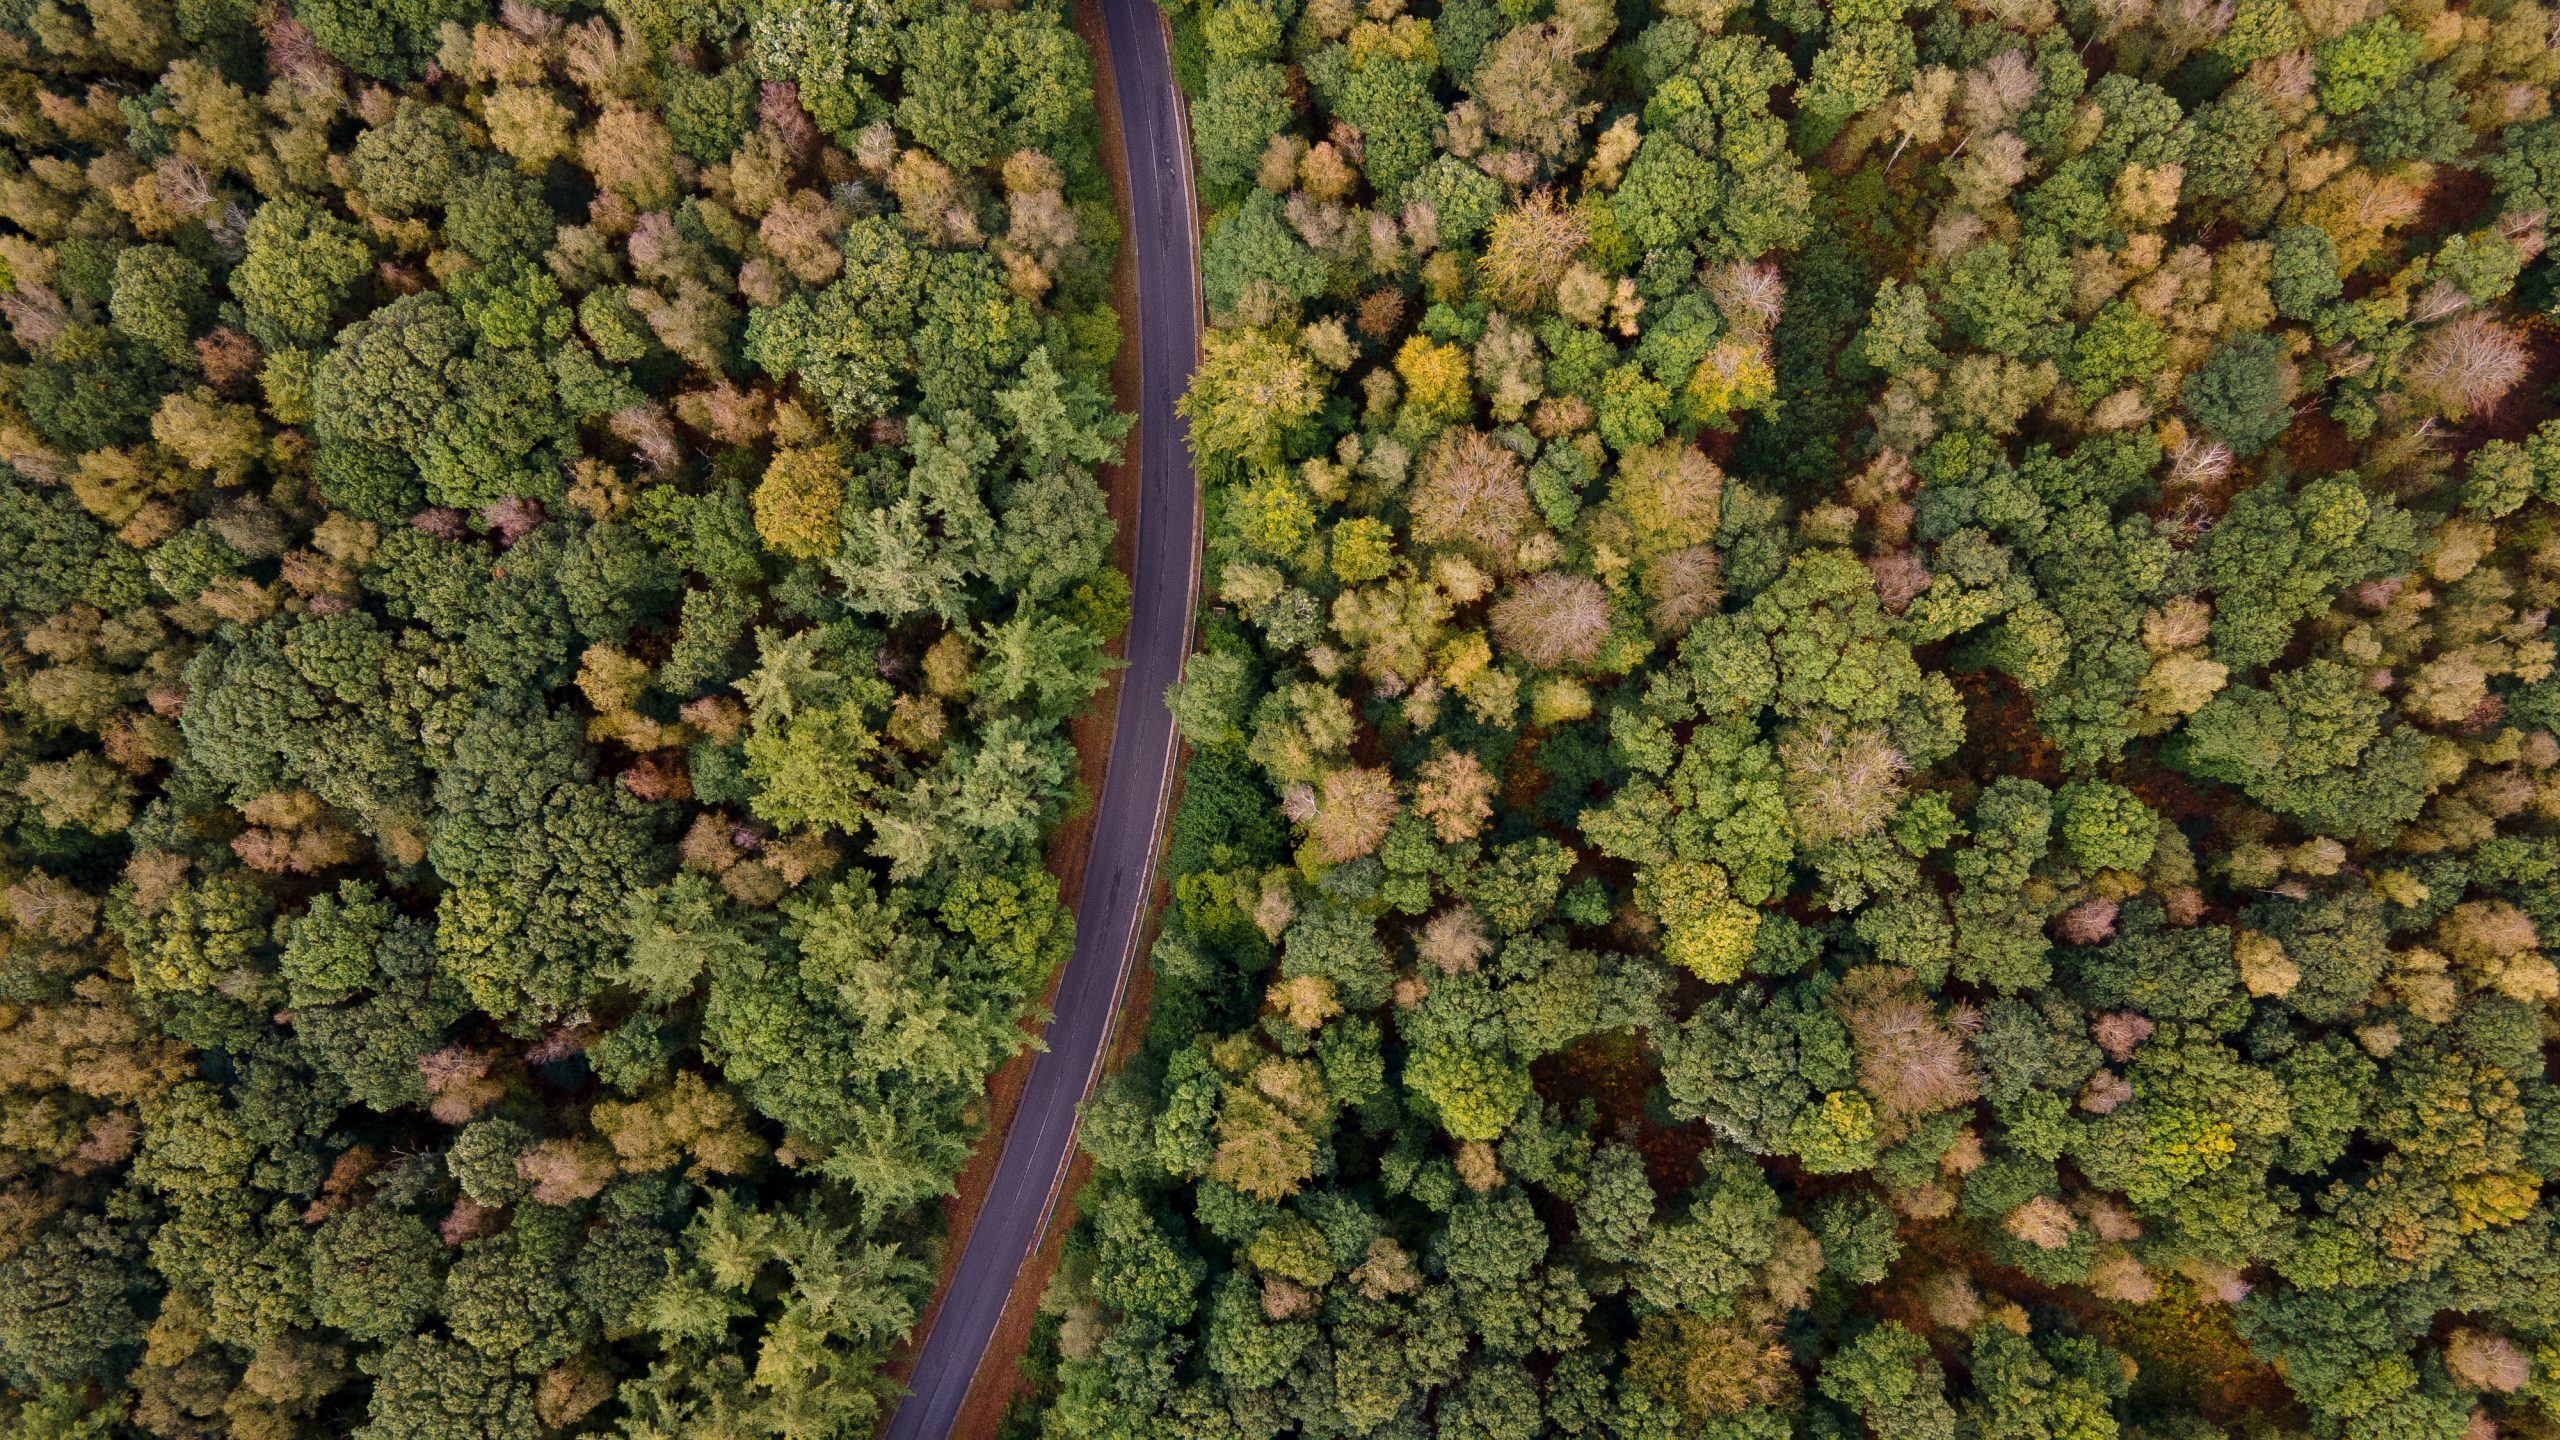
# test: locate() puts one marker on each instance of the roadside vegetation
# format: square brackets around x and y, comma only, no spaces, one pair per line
[1875,748]
[546,551]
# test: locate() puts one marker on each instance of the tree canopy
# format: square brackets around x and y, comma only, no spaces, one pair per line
[551,552]
[1873,750]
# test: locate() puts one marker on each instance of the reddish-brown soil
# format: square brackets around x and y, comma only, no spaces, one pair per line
[2318,445]
[2188,1352]
[2455,195]
[2000,728]
[1615,1072]
[1068,852]
[1000,1375]
[2529,403]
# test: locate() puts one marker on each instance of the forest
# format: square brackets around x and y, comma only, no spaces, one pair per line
[1874,753]
[546,550]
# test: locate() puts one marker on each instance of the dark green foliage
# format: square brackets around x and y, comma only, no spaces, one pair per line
[1889,1380]
[160,299]
[1232,122]
[68,1314]
[2306,271]
[90,390]
[494,214]
[2277,558]
[300,268]
[59,555]
[390,372]
[2239,394]
[520,839]
[2526,166]
[374,1272]
[979,85]
[2162,971]
[709,114]
[1256,247]
[390,41]
[431,1389]
[1791,630]
[1816,794]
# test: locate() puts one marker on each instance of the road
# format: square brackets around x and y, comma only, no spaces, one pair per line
[1138,780]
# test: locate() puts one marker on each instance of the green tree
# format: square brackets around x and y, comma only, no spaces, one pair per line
[391,373]
[508,1296]
[1702,1260]
[69,1315]
[375,1272]
[978,85]
[2105,826]
[1889,1379]
[2278,557]
[2241,394]
[161,298]
[430,1389]
[301,266]
[1249,390]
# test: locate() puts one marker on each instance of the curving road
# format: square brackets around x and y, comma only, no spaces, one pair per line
[1138,781]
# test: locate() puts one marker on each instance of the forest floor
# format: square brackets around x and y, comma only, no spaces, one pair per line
[1069,851]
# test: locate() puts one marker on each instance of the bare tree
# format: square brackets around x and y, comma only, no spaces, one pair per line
[1553,618]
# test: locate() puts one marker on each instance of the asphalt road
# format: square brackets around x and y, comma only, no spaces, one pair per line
[1138,781]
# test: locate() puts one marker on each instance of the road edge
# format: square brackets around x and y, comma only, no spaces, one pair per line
[984,1402]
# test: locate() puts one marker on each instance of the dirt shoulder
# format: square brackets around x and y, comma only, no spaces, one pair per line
[1069,851]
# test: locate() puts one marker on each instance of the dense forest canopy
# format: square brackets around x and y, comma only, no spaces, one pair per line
[1875,751]
[545,553]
